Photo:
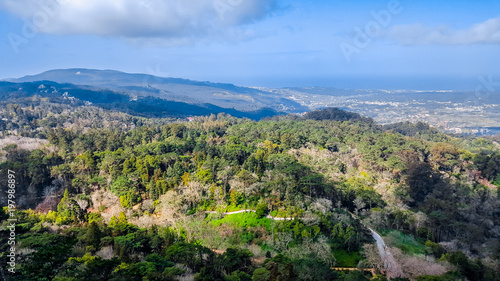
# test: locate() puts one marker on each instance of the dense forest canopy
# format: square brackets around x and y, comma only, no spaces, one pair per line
[110,196]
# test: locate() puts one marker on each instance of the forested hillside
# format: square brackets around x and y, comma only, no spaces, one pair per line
[128,198]
[149,103]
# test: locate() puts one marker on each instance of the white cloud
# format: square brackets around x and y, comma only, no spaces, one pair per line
[487,32]
[175,20]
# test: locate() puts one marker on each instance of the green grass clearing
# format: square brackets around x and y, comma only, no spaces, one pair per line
[243,220]
[406,242]
[346,259]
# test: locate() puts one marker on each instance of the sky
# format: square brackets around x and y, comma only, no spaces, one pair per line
[391,44]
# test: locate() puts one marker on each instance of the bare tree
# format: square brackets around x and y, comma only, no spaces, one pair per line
[322,205]
[414,266]
[82,203]
[282,240]
[372,255]
[359,203]
[49,191]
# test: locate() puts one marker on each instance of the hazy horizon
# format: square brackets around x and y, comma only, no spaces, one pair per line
[424,45]
[369,82]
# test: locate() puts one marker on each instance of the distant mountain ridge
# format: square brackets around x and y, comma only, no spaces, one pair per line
[224,95]
[94,77]
[144,106]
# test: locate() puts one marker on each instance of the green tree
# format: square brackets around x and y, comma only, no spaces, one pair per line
[87,267]
[356,275]
[121,186]
[132,272]
[52,250]
[93,235]
[261,210]
[68,210]
[261,274]
[237,259]
[239,276]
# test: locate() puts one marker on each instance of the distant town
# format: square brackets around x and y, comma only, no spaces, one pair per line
[449,111]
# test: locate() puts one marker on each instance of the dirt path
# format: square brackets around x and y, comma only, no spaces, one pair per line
[391,267]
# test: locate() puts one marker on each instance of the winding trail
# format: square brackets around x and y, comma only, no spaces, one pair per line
[391,267]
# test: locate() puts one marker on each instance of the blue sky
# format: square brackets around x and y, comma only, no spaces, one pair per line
[409,45]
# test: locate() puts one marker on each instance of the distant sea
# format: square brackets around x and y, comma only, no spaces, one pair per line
[366,82]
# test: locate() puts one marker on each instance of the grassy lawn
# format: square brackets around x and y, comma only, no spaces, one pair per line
[243,220]
[346,259]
